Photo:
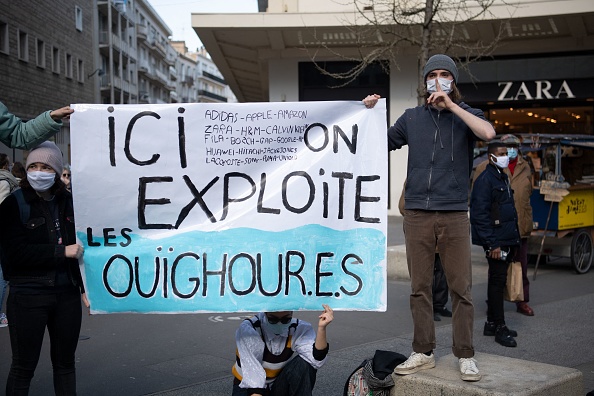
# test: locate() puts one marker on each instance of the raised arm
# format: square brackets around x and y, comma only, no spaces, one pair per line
[325,318]
[480,127]
[24,135]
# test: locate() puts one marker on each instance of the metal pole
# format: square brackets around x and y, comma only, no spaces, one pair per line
[543,239]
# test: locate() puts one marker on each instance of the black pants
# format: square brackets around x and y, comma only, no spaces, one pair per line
[296,379]
[495,288]
[29,315]
[440,285]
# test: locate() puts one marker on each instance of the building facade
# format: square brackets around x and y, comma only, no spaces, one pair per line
[96,51]
[47,57]
[117,69]
[211,87]
[538,80]
[199,79]
[156,57]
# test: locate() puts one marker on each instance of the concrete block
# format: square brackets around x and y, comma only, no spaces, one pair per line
[500,376]
[397,267]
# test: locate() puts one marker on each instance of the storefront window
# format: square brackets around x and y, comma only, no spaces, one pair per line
[543,120]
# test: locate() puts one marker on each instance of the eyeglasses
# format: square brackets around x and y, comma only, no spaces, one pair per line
[66,175]
[275,320]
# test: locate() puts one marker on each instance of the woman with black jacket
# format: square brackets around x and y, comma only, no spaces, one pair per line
[40,260]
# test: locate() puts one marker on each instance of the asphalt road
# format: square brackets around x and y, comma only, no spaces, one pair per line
[131,354]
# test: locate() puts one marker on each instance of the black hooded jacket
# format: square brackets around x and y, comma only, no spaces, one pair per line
[31,254]
[440,147]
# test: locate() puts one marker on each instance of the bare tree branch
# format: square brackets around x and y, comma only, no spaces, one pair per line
[384,27]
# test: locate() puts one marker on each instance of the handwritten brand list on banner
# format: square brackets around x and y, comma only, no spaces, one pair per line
[231,207]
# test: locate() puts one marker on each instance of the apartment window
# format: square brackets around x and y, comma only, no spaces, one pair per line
[23,46]
[81,71]
[40,53]
[68,70]
[78,18]
[55,60]
[3,37]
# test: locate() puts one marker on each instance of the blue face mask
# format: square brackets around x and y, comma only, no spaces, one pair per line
[512,152]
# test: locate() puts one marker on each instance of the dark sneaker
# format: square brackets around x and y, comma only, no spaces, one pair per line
[503,337]
[491,328]
[443,312]
[436,317]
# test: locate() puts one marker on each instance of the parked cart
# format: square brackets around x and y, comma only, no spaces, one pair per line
[563,198]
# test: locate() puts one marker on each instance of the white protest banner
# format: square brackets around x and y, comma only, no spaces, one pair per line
[231,207]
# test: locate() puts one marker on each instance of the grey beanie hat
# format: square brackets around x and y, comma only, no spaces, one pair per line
[440,62]
[47,153]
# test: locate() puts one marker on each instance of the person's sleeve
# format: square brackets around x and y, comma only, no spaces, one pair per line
[24,135]
[4,190]
[251,351]
[480,114]
[303,343]
[397,134]
[17,250]
[480,211]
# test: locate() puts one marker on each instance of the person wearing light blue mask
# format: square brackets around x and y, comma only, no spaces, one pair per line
[520,175]
[512,153]
[279,355]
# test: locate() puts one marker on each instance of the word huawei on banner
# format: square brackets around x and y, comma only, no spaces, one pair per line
[231,207]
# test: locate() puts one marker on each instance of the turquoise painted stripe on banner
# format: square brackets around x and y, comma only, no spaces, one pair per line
[317,265]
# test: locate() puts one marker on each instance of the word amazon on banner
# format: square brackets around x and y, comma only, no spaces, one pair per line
[231,207]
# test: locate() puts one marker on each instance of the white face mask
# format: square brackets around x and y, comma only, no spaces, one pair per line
[41,181]
[501,162]
[444,83]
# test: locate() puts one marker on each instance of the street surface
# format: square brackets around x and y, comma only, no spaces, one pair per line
[132,354]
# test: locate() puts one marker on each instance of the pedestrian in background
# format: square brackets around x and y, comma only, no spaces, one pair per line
[440,136]
[519,173]
[40,260]
[67,177]
[494,225]
[23,135]
[8,183]
[18,171]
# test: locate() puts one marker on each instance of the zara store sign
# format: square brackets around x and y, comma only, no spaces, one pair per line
[534,90]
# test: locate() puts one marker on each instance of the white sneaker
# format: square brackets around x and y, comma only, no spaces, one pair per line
[3,321]
[415,362]
[468,369]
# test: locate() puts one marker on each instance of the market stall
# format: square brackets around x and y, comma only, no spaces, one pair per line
[563,197]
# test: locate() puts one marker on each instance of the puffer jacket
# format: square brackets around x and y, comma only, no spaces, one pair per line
[493,218]
[30,252]
[521,183]
[24,135]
